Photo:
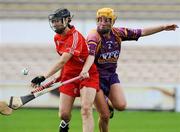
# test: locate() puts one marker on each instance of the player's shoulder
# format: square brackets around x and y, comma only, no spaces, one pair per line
[93,35]
[78,32]
[93,31]
[119,29]
[57,36]
[78,36]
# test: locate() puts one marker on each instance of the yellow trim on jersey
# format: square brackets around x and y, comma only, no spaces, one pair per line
[91,42]
[98,47]
[125,31]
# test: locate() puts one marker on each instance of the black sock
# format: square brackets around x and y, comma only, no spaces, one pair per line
[63,126]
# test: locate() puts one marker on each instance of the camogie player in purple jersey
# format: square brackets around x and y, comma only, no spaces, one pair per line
[105,44]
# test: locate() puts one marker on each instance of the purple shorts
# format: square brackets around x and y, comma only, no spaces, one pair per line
[106,82]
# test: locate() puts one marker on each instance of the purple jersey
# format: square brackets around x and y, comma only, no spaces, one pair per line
[107,50]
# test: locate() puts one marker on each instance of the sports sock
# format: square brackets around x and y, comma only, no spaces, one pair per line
[63,126]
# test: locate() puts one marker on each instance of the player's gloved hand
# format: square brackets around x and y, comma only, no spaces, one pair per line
[37,80]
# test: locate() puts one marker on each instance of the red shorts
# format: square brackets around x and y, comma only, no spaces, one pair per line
[73,89]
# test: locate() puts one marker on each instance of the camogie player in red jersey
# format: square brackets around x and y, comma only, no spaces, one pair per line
[74,60]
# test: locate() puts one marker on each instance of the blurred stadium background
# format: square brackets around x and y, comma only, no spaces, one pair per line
[149,68]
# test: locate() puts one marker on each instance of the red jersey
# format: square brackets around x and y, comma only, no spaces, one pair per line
[73,42]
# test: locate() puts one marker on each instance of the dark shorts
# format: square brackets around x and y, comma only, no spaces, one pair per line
[106,82]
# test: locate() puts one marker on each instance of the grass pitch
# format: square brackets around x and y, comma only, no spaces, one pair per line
[46,120]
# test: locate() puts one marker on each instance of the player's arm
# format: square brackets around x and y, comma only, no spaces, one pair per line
[87,65]
[156,29]
[58,66]
[92,41]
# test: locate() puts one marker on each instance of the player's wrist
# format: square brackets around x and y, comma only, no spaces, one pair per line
[163,27]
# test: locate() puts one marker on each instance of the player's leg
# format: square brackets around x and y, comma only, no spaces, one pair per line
[116,95]
[87,95]
[102,108]
[105,86]
[111,108]
[65,107]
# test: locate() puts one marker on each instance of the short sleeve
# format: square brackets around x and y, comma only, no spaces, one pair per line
[129,34]
[92,41]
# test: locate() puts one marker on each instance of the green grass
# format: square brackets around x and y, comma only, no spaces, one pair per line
[46,120]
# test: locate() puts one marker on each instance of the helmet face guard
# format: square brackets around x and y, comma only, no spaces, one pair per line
[60,15]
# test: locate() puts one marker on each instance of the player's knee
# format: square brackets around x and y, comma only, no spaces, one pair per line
[105,117]
[120,106]
[86,110]
[63,115]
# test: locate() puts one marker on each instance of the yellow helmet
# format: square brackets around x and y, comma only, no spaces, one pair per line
[106,12]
